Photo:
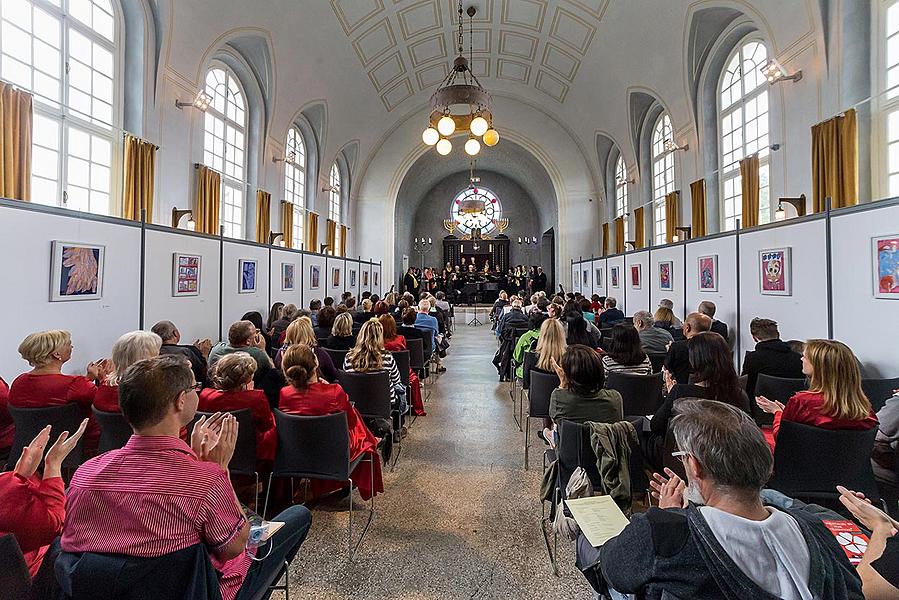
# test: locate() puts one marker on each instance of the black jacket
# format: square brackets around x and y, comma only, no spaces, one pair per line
[677,361]
[771,357]
[609,317]
[193,354]
[538,283]
[719,328]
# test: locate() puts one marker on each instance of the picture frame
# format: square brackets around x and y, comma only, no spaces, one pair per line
[76,271]
[352,278]
[585,275]
[186,269]
[364,278]
[597,278]
[614,275]
[666,275]
[775,272]
[335,277]
[885,257]
[314,277]
[374,278]
[247,272]
[288,277]
[707,267]
[636,277]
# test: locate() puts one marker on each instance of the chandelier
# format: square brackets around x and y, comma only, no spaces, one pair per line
[461,104]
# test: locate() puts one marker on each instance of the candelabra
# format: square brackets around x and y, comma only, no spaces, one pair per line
[422,246]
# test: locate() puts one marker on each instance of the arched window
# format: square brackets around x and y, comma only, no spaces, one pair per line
[66,53]
[295,182]
[889,78]
[334,201]
[621,194]
[743,115]
[475,208]
[662,174]
[224,144]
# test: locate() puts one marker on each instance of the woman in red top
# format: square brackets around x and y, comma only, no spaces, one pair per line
[308,396]
[394,342]
[127,350]
[45,385]
[834,400]
[232,377]
[7,429]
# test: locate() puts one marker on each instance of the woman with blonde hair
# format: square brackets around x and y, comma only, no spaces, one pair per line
[834,400]
[550,344]
[308,395]
[341,337]
[370,356]
[665,319]
[132,347]
[300,331]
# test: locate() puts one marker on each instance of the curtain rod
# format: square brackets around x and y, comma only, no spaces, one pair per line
[140,139]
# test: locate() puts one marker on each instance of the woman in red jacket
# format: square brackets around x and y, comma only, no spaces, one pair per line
[232,377]
[307,395]
[834,400]
[394,342]
[127,350]
[7,428]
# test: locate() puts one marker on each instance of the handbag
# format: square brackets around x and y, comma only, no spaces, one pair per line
[579,486]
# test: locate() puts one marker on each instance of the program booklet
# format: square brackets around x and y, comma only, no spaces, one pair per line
[852,539]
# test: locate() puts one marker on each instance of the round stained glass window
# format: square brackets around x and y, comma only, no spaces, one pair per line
[474,208]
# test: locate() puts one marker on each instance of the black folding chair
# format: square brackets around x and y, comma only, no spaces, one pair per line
[15,580]
[517,332]
[879,391]
[370,394]
[528,362]
[243,461]
[114,430]
[337,357]
[657,360]
[417,362]
[541,388]
[319,448]
[641,394]
[30,421]
[774,388]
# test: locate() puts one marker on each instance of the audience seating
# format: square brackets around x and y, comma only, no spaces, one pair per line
[30,421]
[879,391]
[416,356]
[15,580]
[657,360]
[243,461]
[774,388]
[641,394]
[542,386]
[528,362]
[318,448]
[337,357]
[114,430]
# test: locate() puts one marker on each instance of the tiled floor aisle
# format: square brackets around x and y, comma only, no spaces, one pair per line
[460,517]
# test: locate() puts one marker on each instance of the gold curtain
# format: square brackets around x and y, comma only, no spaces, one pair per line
[331,236]
[672,214]
[749,181]
[264,217]
[15,143]
[835,162]
[605,239]
[697,199]
[619,235]
[639,227]
[140,170]
[209,198]
[343,231]
[287,223]
[311,232]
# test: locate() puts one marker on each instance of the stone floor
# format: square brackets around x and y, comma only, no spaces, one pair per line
[460,517]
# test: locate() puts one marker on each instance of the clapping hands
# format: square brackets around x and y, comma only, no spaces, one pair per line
[769,406]
[214,439]
[32,454]
[669,491]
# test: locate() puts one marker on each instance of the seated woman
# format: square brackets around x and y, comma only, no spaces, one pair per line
[365,313]
[127,350]
[527,341]
[580,396]
[233,381]
[577,329]
[394,342]
[326,317]
[834,400]
[302,332]
[341,337]
[587,310]
[255,317]
[370,356]
[275,313]
[664,319]
[382,308]
[626,353]
[46,385]
[307,395]
[7,428]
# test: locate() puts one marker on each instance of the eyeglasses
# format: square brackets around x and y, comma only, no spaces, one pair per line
[680,454]
[196,387]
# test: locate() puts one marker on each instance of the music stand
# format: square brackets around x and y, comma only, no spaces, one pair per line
[475,322]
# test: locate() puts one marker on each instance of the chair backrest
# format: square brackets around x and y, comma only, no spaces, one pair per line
[29,422]
[542,386]
[742,380]
[337,357]
[315,447]
[809,462]
[370,392]
[244,459]
[574,450]
[640,394]
[879,390]
[657,360]
[416,353]
[528,362]
[774,388]
[402,364]
[15,581]
[114,430]
[321,341]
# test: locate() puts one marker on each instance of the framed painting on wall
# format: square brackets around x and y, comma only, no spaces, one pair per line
[315,274]
[614,277]
[185,274]
[885,251]
[775,271]
[247,274]
[352,278]
[374,277]
[636,277]
[598,278]
[708,273]
[76,271]
[584,276]
[335,277]
[364,278]
[288,277]
[666,275]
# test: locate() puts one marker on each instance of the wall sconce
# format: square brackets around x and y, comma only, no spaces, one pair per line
[201,101]
[631,181]
[774,72]
[527,240]
[291,157]
[798,203]
[687,231]
[330,188]
[274,235]
[672,146]
[323,248]
[178,214]
[631,243]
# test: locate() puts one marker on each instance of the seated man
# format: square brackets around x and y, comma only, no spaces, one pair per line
[653,339]
[315,305]
[611,315]
[771,355]
[514,318]
[442,304]
[677,361]
[197,353]
[708,309]
[429,324]
[734,546]
[244,337]
[157,495]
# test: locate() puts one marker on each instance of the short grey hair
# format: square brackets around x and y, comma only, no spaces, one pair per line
[667,303]
[726,442]
[707,307]
[132,347]
[611,301]
[644,317]
[165,330]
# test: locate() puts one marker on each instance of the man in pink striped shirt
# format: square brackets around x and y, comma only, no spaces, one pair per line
[157,495]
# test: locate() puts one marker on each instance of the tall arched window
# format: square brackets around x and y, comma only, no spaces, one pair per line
[621,194]
[66,53]
[662,174]
[334,201]
[224,144]
[743,117]
[889,78]
[295,182]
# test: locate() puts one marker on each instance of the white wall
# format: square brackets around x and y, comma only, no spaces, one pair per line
[234,304]
[599,285]
[335,291]
[725,299]
[352,265]
[616,292]
[381,288]
[635,299]
[280,256]
[310,260]
[675,255]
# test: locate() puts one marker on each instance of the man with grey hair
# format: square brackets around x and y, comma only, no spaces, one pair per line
[196,353]
[612,315]
[707,307]
[669,304]
[653,339]
[714,537]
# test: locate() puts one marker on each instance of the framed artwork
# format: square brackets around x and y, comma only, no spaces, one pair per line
[185,274]
[775,271]
[315,277]
[886,266]
[375,279]
[636,277]
[584,277]
[614,277]
[708,273]
[76,271]
[598,278]
[288,277]
[247,276]
[364,278]
[352,278]
[335,277]
[666,275]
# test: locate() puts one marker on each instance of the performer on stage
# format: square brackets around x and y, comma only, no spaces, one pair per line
[538,283]
[410,283]
[486,269]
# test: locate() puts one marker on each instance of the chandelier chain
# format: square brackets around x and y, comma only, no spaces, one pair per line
[461,30]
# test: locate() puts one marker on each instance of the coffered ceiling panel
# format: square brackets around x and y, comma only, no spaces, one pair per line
[386,72]
[374,42]
[562,62]
[512,70]
[431,76]
[397,93]
[573,30]
[423,17]
[519,45]
[428,49]
[352,13]
[524,13]
[552,85]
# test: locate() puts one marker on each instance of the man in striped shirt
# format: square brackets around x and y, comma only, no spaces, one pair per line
[157,495]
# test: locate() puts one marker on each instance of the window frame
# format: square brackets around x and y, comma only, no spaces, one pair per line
[335,198]
[887,107]
[621,193]
[292,196]
[660,156]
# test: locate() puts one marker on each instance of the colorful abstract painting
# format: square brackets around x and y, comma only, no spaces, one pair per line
[708,273]
[76,271]
[598,279]
[335,277]
[774,272]
[364,278]
[666,272]
[185,275]
[288,277]
[886,266]
[636,277]
[614,277]
[247,276]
